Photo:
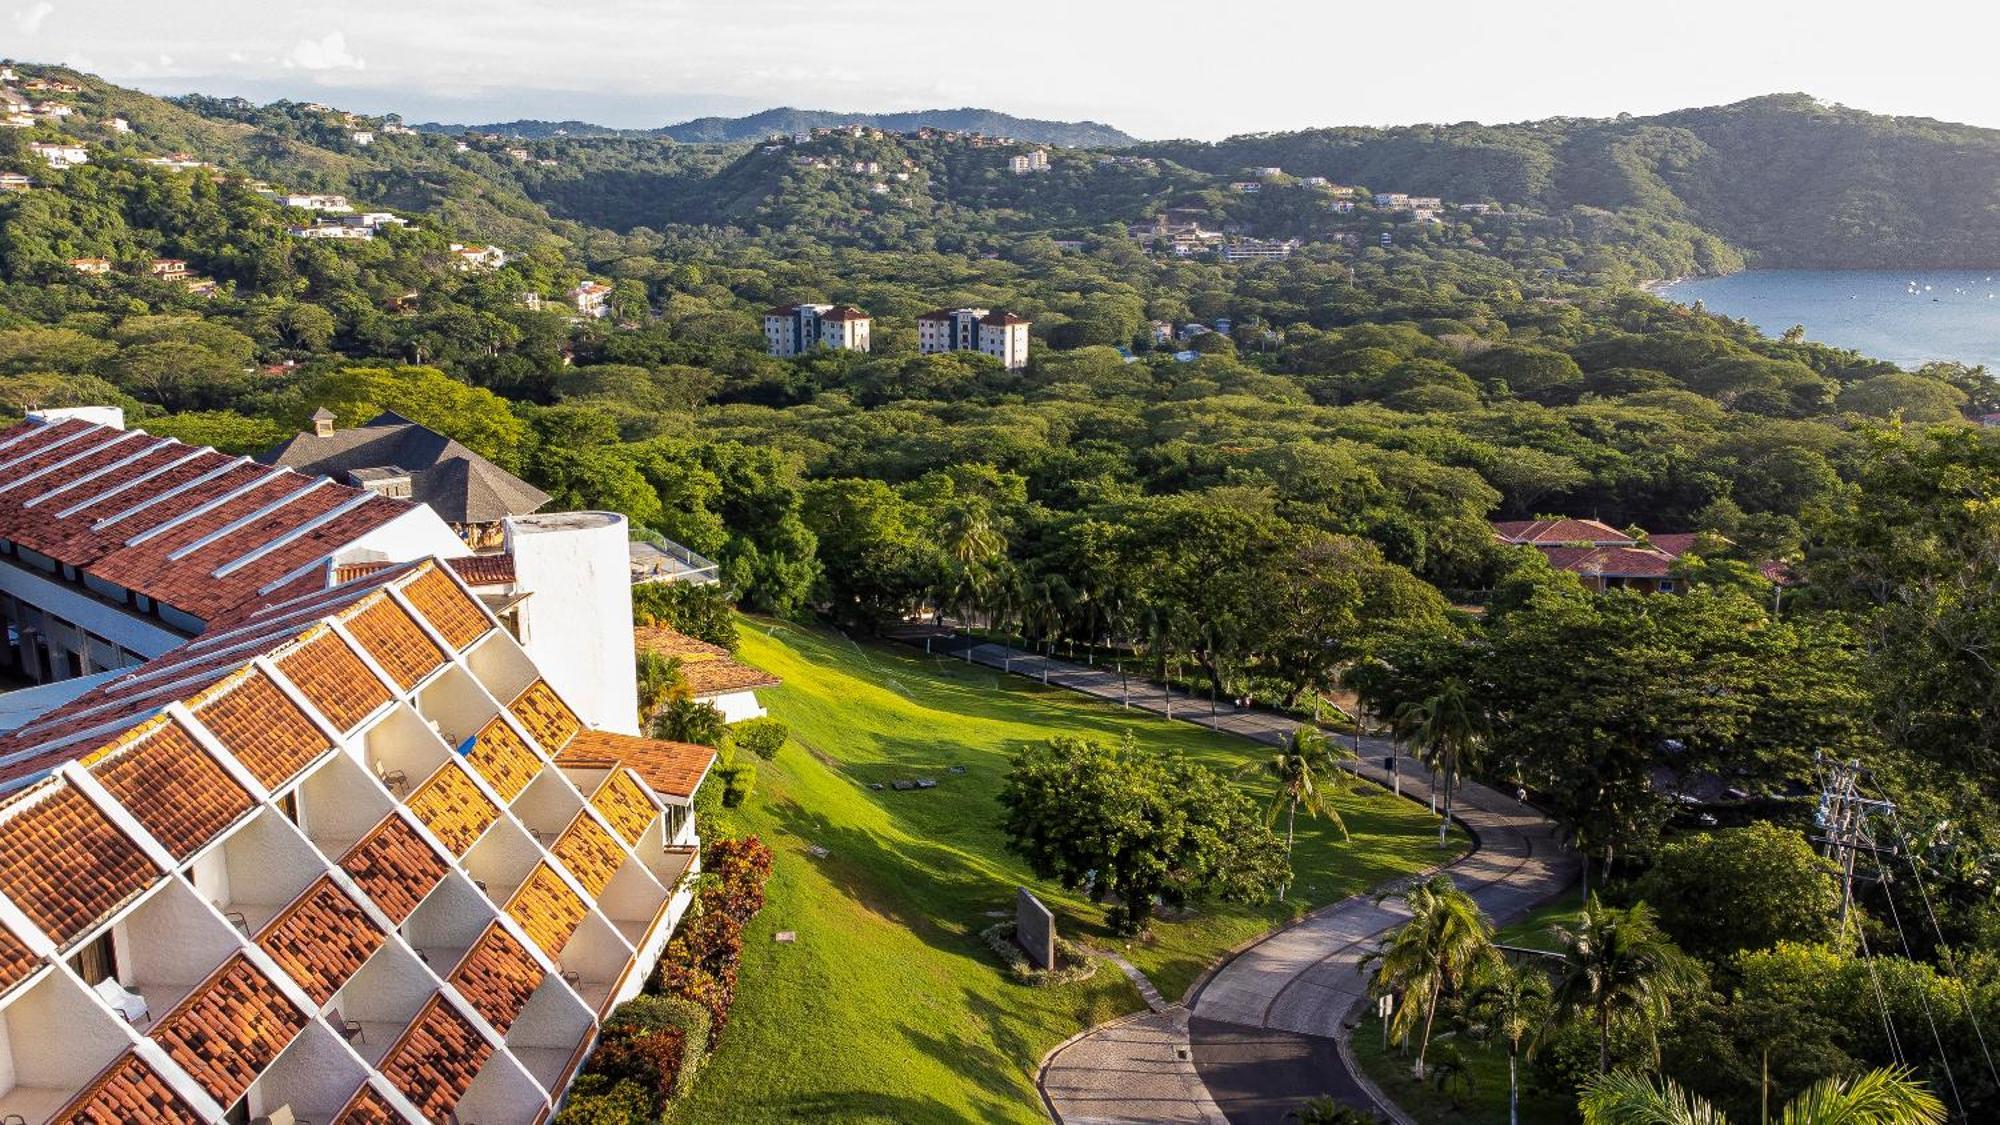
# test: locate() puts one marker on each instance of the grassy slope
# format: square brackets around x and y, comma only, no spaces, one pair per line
[889,1007]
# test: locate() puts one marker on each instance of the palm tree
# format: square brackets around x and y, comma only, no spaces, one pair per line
[1299,783]
[974,547]
[1428,957]
[1885,1096]
[1511,1001]
[1618,965]
[1446,732]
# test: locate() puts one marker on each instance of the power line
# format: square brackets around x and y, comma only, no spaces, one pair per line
[1923,993]
[1944,947]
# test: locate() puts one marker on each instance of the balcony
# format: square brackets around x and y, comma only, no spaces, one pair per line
[501,861]
[312,1079]
[55,1037]
[595,963]
[257,872]
[655,558]
[338,804]
[500,665]
[402,750]
[548,1034]
[502,1094]
[455,706]
[372,1010]
[448,923]
[633,901]
[547,806]
[166,948]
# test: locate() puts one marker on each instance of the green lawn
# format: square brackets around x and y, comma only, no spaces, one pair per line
[1484,1101]
[1532,930]
[889,1007]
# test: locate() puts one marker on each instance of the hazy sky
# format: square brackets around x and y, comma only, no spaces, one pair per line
[1156,68]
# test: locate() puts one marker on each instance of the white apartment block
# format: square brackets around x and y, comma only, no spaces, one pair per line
[1036,161]
[347,845]
[331,204]
[1001,335]
[791,330]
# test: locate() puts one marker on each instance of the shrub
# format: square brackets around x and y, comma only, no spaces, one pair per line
[762,737]
[647,1014]
[682,719]
[705,613]
[738,779]
[598,1100]
[650,1060]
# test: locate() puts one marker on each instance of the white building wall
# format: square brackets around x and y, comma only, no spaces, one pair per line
[577,622]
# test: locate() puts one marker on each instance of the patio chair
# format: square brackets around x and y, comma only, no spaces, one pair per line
[394,779]
[348,1029]
[129,1004]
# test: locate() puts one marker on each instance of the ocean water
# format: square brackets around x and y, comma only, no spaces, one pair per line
[1906,318]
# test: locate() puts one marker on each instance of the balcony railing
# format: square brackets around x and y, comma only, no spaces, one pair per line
[655,558]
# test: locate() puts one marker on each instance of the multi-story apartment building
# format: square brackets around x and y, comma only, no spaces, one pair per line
[348,857]
[1001,335]
[346,848]
[797,329]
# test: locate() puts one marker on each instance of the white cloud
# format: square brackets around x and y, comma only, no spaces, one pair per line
[30,19]
[327,53]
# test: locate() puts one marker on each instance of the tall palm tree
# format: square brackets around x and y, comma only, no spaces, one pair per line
[1304,775]
[974,547]
[1885,1096]
[1618,966]
[1429,957]
[1511,1001]
[1445,731]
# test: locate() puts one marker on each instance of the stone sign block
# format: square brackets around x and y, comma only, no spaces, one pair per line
[1035,929]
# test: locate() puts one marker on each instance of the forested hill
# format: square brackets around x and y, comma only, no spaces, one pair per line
[758,126]
[1788,179]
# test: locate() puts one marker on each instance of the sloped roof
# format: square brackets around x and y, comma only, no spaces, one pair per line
[708,669]
[199,530]
[1559,532]
[1611,562]
[668,768]
[458,484]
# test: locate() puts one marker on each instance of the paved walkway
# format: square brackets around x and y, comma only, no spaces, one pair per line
[1268,1029]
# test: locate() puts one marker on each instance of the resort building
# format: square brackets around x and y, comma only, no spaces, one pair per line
[797,329]
[1001,335]
[347,857]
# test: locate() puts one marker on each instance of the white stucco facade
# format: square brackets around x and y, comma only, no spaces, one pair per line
[577,621]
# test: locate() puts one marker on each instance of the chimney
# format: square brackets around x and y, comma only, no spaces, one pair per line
[322,420]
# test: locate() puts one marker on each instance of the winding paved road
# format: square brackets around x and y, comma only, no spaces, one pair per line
[1268,1028]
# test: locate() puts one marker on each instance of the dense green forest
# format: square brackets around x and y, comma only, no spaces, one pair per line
[1289,502]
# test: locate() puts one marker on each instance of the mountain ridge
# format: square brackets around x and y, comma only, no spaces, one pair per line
[790,119]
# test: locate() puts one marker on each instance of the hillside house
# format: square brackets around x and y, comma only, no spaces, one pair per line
[168,269]
[91,266]
[470,259]
[591,299]
[60,154]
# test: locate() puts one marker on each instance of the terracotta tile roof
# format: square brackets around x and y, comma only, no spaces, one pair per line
[229,1029]
[1610,562]
[455,614]
[89,496]
[497,977]
[394,866]
[321,939]
[129,1090]
[263,728]
[436,1059]
[16,962]
[624,803]
[1560,532]
[484,570]
[671,769]
[709,678]
[367,1107]
[452,807]
[395,641]
[172,786]
[590,853]
[339,685]
[708,669]
[548,910]
[673,643]
[1675,543]
[65,865]
[503,759]
[545,716]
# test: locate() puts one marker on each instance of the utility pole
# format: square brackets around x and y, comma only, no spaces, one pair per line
[1843,821]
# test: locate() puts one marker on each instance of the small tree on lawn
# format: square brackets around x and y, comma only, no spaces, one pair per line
[1429,958]
[1115,819]
[1618,966]
[1302,777]
[1511,1001]
[1446,731]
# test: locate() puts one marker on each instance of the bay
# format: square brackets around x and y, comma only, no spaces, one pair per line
[1908,318]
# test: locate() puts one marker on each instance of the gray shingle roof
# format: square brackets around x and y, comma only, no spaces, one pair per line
[458,484]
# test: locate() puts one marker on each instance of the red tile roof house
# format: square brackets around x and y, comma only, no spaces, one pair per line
[345,852]
[1604,557]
